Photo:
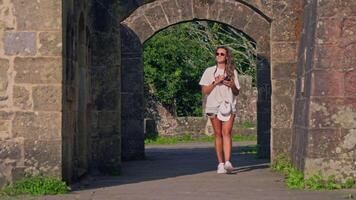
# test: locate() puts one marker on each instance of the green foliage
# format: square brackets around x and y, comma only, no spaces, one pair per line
[176,57]
[190,138]
[36,185]
[294,178]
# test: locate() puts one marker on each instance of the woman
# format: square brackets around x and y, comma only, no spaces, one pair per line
[221,85]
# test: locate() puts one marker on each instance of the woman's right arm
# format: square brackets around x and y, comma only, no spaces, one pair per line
[206,89]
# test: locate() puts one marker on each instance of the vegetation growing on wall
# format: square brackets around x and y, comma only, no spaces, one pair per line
[176,57]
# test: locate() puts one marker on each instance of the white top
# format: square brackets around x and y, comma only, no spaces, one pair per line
[221,92]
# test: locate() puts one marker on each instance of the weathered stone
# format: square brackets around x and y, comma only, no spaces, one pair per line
[284,71]
[329,30]
[11,149]
[281,140]
[4,66]
[322,111]
[214,9]
[337,8]
[284,29]
[132,109]
[142,27]
[282,109]
[106,154]
[283,87]
[257,27]
[329,56]
[43,155]
[22,98]
[327,83]
[284,52]
[107,122]
[229,12]
[4,126]
[171,10]
[350,83]
[50,43]
[31,125]
[242,16]
[47,98]
[185,9]
[156,17]
[39,15]
[200,9]
[348,31]
[20,43]
[38,70]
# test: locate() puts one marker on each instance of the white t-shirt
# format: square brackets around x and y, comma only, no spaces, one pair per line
[221,92]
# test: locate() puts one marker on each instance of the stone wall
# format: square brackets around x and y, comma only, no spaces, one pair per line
[30,88]
[325,136]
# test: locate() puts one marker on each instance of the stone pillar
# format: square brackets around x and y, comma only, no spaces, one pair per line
[331,145]
[30,88]
[285,34]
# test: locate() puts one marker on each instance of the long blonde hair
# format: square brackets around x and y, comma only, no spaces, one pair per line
[230,64]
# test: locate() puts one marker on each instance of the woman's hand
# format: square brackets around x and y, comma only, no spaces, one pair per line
[218,79]
[229,83]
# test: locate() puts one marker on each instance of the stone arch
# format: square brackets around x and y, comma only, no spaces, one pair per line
[148,19]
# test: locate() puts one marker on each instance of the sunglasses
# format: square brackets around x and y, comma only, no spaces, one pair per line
[220,54]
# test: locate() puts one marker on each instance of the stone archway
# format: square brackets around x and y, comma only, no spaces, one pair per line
[152,17]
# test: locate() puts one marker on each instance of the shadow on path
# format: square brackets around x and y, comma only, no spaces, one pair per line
[172,161]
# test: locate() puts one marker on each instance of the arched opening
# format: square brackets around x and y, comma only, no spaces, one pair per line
[150,19]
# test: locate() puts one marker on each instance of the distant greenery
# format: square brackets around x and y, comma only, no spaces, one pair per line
[294,178]
[176,57]
[189,138]
[35,185]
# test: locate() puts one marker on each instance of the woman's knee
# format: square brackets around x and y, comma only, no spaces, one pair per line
[226,133]
[218,134]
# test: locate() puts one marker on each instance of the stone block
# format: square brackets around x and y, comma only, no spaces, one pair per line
[106,154]
[329,56]
[142,27]
[156,17]
[4,66]
[328,30]
[200,9]
[132,129]
[43,155]
[32,125]
[22,98]
[283,29]
[328,143]
[323,110]
[20,43]
[132,106]
[185,9]
[327,83]
[348,31]
[47,98]
[107,123]
[284,52]
[283,87]
[38,70]
[133,149]
[284,71]
[282,110]
[50,43]
[171,10]
[214,10]
[350,83]
[11,149]
[39,15]
[242,16]
[257,27]
[337,8]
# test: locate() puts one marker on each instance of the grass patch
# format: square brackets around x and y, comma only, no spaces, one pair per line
[189,138]
[35,185]
[246,125]
[294,178]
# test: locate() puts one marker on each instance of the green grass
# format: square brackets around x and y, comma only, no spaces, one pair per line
[294,178]
[246,125]
[35,185]
[189,138]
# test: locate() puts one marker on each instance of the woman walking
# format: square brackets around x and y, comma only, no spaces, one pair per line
[220,84]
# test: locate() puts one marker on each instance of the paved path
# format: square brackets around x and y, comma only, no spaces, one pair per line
[188,171]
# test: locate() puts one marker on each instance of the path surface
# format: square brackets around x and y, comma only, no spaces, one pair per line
[188,171]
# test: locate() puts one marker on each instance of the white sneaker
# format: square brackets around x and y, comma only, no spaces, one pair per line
[228,167]
[221,169]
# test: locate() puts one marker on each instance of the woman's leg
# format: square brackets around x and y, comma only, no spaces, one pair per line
[226,133]
[218,138]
